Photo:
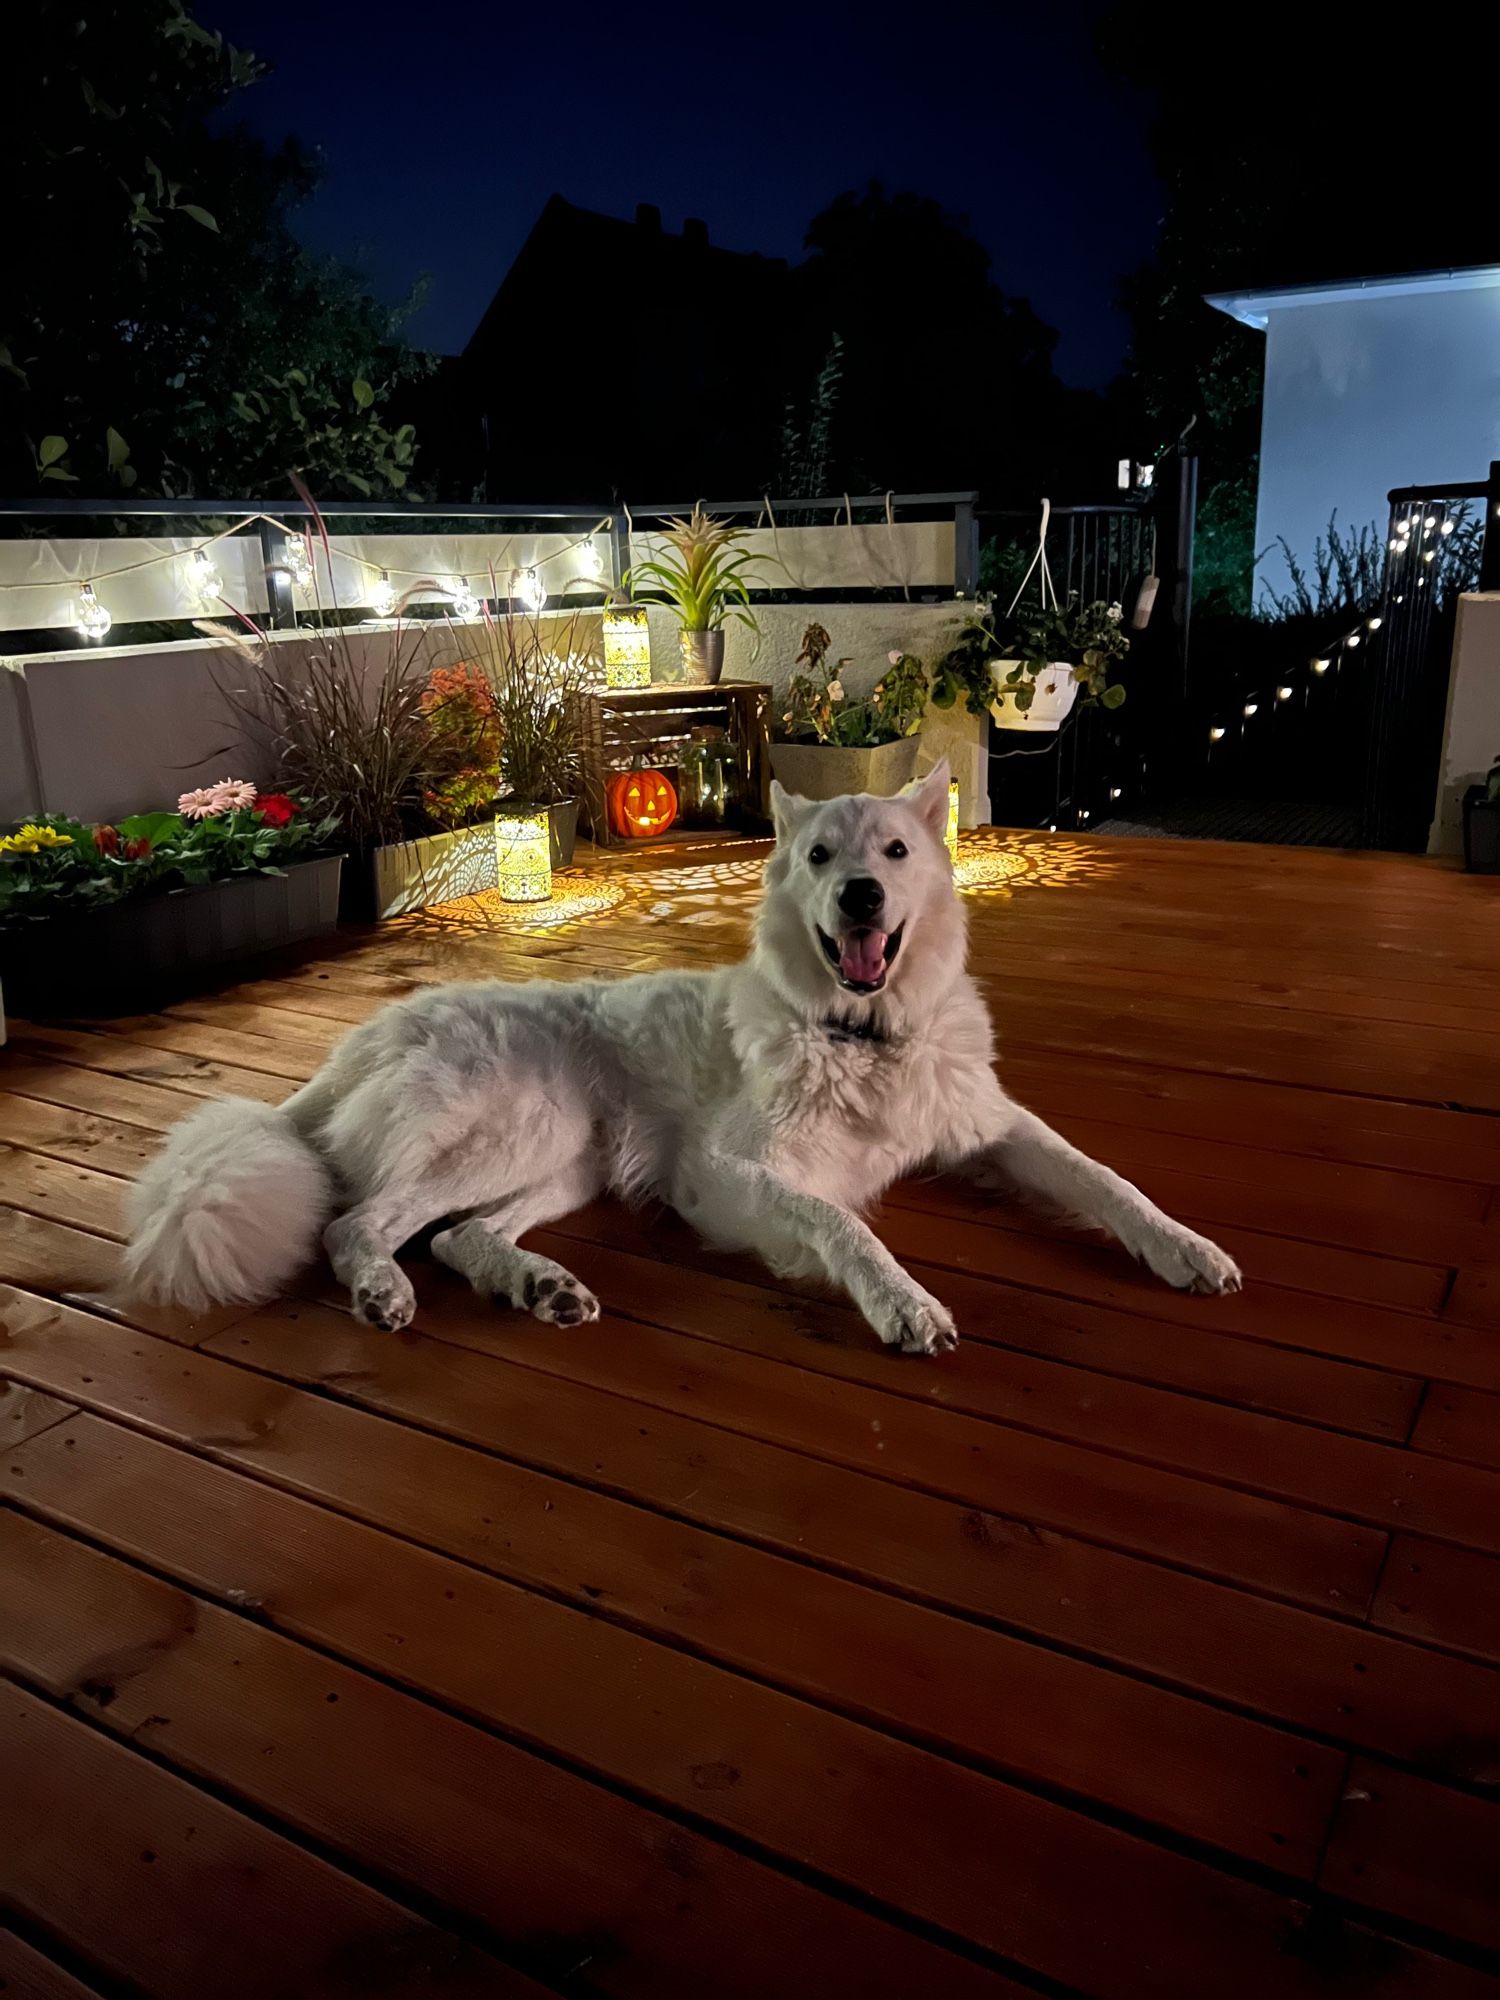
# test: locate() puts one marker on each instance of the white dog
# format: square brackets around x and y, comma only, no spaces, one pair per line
[767,1102]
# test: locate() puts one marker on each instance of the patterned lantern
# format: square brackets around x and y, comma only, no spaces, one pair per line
[627,647]
[952,834]
[523,854]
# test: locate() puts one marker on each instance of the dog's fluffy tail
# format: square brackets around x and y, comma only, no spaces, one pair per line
[229,1210]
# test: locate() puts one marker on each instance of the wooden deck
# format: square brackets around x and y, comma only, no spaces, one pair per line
[1146,1648]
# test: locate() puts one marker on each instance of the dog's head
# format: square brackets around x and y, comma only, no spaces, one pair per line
[859,893]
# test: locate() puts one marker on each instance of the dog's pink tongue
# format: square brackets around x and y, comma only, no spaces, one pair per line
[862,956]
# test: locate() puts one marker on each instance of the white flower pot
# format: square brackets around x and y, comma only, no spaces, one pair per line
[1056,692]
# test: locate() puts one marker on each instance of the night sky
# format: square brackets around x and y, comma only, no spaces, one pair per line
[443,131]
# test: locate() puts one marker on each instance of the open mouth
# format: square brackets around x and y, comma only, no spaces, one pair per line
[861,957]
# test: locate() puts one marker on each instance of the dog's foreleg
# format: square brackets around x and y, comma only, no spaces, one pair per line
[743,1203]
[484,1250]
[1037,1160]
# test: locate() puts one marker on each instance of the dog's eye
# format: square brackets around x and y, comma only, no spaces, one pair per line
[896,851]
[817,855]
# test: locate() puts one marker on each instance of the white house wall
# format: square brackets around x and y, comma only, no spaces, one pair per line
[1363,394]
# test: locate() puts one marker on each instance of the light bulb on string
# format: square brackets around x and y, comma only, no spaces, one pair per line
[1352,640]
[1320,666]
[296,561]
[591,557]
[203,579]
[1251,708]
[1448,527]
[1283,694]
[1083,812]
[1373,624]
[89,616]
[1114,791]
[1428,554]
[383,596]
[1429,524]
[1216,734]
[529,588]
[465,603]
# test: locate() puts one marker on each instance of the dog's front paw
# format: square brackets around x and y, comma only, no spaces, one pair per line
[1190,1262]
[386,1302]
[550,1293]
[915,1322]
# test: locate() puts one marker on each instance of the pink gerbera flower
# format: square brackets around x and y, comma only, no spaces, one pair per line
[227,796]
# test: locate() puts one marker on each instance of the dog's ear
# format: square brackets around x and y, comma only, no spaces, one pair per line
[929,795]
[787,810]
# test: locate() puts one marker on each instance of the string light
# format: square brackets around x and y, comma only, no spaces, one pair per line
[530,589]
[1448,526]
[1283,694]
[383,596]
[1216,734]
[1374,624]
[1114,791]
[1320,666]
[89,615]
[1083,812]
[296,561]
[1429,524]
[1352,640]
[591,557]
[1428,554]
[203,578]
[1251,708]
[465,603]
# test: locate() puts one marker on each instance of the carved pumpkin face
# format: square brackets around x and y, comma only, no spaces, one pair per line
[641,803]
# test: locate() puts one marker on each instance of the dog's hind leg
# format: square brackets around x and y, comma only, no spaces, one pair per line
[1037,1160]
[484,1249]
[360,1246]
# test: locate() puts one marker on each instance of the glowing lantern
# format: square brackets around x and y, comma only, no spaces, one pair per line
[627,647]
[952,834]
[640,803]
[523,854]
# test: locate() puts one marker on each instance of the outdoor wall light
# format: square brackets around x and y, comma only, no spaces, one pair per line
[523,854]
[627,647]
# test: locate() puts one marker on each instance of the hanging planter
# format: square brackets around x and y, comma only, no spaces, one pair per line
[1053,692]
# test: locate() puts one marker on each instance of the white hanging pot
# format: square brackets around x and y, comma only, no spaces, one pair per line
[1056,690]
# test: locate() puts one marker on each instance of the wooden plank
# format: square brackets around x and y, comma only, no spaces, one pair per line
[1011,1271]
[577,1432]
[1087,1344]
[287,1056]
[980,1695]
[853,1422]
[560,1869]
[78,1196]
[43,1256]
[1157,1919]
[23,1413]
[26,1975]
[1444,1596]
[1459,1423]
[1415,1850]
[82,1137]
[192,1076]
[1333,1679]
[179,1895]
[47,1081]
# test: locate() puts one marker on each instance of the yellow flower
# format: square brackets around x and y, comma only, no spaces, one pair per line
[31,839]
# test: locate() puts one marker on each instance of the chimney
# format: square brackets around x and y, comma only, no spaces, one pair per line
[648,218]
[695,233]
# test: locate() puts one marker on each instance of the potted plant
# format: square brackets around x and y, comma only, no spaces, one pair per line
[1029,674]
[97,917]
[701,575]
[1482,825]
[536,669]
[836,743]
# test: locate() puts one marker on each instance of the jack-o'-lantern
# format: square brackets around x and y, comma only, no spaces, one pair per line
[640,803]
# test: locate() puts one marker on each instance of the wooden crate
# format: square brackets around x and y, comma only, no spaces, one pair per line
[622,729]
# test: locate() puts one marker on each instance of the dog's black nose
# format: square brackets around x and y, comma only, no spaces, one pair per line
[861,899]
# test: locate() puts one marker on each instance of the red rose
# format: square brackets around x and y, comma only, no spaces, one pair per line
[275,808]
[136,850]
[107,839]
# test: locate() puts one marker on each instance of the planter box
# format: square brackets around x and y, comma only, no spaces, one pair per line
[828,770]
[1481,832]
[414,874]
[113,959]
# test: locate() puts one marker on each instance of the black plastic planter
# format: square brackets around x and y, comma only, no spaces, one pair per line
[118,958]
[1481,832]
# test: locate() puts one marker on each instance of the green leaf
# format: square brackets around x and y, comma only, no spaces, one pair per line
[296,375]
[199,215]
[364,395]
[127,476]
[155,827]
[1113,696]
[52,449]
[118,450]
[56,472]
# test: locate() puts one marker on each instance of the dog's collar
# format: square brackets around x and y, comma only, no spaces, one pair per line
[839,1028]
